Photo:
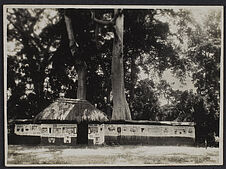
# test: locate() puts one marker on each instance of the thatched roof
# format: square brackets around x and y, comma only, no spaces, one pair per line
[72,110]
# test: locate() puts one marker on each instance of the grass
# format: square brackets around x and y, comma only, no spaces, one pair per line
[111,155]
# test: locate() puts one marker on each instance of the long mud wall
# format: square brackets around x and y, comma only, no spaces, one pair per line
[112,134]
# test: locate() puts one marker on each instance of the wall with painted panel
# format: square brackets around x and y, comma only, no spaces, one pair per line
[149,130]
[46,130]
[96,133]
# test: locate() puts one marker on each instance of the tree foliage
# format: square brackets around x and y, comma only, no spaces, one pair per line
[146,106]
[29,66]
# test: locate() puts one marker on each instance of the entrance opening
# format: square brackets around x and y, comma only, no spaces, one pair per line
[119,135]
[82,134]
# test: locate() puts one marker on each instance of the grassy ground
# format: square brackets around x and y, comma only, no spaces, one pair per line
[111,155]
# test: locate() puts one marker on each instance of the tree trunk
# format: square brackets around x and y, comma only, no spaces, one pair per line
[133,83]
[121,109]
[81,91]
[133,77]
[80,64]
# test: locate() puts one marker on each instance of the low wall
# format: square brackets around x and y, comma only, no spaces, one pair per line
[147,140]
[162,133]
[45,133]
[96,134]
[149,134]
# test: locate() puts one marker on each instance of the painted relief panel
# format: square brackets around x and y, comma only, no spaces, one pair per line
[149,130]
[47,130]
[96,133]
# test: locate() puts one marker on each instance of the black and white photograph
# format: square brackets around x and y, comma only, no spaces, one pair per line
[113,85]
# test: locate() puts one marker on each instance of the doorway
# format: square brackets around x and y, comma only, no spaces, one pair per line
[119,130]
[82,134]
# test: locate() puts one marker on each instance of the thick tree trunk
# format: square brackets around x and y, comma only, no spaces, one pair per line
[80,65]
[121,109]
[81,91]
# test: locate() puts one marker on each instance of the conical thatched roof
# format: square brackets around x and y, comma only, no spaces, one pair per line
[72,110]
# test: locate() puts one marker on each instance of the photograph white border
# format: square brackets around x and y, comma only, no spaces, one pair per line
[110,7]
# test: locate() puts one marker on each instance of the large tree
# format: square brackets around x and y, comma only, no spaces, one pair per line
[80,54]
[147,48]
[121,109]
[77,53]
[205,47]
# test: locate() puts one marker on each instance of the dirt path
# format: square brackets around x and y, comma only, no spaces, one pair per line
[111,155]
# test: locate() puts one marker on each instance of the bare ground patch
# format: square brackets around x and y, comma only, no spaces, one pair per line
[112,155]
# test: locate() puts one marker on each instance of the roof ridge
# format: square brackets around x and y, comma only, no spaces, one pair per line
[71,100]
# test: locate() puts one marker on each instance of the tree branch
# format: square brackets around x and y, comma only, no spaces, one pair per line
[104,22]
[99,21]
[72,42]
[76,50]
